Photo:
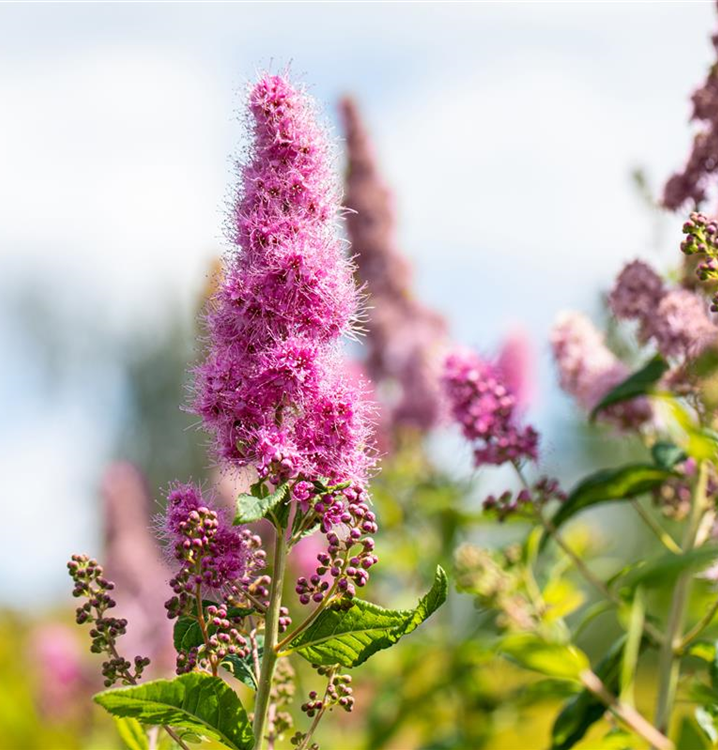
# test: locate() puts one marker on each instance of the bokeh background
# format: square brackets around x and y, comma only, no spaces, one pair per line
[524,143]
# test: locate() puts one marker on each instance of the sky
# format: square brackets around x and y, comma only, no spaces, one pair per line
[509,132]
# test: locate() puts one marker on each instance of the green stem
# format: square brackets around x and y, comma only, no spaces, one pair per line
[271,630]
[669,664]
[318,717]
[699,627]
[662,535]
[203,628]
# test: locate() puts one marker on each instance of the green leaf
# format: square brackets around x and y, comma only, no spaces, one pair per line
[640,383]
[350,637]
[132,734]
[243,667]
[251,507]
[187,633]
[690,736]
[705,719]
[552,659]
[198,702]
[609,485]
[584,710]
[663,569]
[667,455]
[702,649]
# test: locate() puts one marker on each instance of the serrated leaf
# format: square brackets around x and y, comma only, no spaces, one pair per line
[199,702]
[350,637]
[661,570]
[552,659]
[609,485]
[132,734]
[667,455]
[252,508]
[243,667]
[584,710]
[640,383]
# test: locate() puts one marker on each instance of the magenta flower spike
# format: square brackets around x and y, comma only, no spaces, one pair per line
[271,390]
[405,339]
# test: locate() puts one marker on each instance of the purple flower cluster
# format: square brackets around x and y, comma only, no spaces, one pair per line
[211,553]
[692,182]
[636,295]
[271,390]
[676,320]
[485,407]
[588,370]
[404,338]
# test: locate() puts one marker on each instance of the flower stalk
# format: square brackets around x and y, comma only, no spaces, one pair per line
[271,631]
[669,663]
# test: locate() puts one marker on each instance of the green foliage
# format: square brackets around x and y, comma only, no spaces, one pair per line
[640,383]
[203,704]
[667,454]
[243,667]
[558,660]
[665,568]
[609,485]
[257,504]
[131,733]
[350,637]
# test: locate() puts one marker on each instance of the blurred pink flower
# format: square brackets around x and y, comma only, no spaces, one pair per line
[588,369]
[406,341]
[57,655]
[133,560]
[517,363]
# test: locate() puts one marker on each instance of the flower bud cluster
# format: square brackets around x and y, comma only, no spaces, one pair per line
[87,575]
[338,693]
[223,639]
[702,239]
[526,501]
[674,496]
[211,553]
[495,579]
[344,566]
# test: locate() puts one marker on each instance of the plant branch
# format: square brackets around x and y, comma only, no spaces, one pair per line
[669,664]
[271,627]
[203,628]
[320,713]
[663,536]
[627,714]
[699,627]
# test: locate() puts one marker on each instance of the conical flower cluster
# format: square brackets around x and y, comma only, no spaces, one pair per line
[271,389]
